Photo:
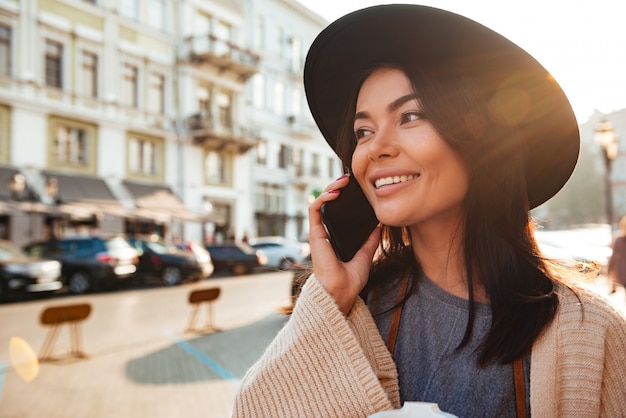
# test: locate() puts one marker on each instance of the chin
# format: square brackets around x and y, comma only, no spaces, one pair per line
[387,221]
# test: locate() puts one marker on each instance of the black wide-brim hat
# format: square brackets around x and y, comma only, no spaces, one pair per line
[522,92]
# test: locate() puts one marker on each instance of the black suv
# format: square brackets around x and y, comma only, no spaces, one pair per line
[89,262]
[236,258]
[170,264]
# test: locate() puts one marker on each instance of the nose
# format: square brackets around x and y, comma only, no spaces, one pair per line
[383,145]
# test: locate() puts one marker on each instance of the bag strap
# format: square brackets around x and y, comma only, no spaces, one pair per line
[520,388]
[397,313]
[518,365]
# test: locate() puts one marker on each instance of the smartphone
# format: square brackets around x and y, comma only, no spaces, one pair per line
[349,220]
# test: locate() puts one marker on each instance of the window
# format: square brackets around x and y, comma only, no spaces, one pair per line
[129,8]
[331,167]
[5,130]
[296,51]
[270,198]
[144,156]
[90,74]
[283,156]
[204,101]
[258,94]
[215,168]
[156,14]
[279,98]
[296,101]
[5,50]
[223,32]
[315,165]
[54,56]
[130,90]
[297,160]
[156,93]
[261,153]
[259,38]
[72,144]
[280,40]
[224,104]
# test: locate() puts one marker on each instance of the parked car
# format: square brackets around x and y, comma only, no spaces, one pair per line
[158,258]
[281,252]
[20,273]
[588,247]
[202,256]
[236,258]
[89,262]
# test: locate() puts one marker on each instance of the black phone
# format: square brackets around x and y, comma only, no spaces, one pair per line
[349,220]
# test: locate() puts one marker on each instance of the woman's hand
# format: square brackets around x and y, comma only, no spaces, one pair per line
[344,281]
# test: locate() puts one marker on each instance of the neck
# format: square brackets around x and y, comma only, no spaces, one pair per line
[439,251]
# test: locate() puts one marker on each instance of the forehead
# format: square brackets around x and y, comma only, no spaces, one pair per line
[382,86]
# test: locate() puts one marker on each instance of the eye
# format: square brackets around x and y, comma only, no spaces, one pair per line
[411,116]
[362,132]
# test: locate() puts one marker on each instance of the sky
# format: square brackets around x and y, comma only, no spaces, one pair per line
[581,42]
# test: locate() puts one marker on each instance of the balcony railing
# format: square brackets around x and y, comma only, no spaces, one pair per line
[207,132]
[225,55]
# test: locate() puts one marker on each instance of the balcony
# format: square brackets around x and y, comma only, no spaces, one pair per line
[226,56]
[220,136]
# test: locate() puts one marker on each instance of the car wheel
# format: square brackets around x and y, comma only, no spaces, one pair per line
[171,276]
[239,269]
[286,264]
[79,283]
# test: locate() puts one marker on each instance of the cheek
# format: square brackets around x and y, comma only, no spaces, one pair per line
[359,161]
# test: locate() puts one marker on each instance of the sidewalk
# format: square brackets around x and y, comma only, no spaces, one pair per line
[141,362]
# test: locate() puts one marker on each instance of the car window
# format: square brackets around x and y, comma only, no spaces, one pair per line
[35,250]
[117,243]
[157,247]
[8,252]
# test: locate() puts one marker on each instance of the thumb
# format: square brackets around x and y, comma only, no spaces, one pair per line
[370,246]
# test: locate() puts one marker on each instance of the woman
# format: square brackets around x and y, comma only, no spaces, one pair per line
[454,134]
[617,262]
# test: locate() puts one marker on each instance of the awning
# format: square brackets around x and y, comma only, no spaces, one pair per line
[158,201]
[84,196]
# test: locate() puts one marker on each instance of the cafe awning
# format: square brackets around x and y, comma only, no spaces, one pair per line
[158,201]
[83,196]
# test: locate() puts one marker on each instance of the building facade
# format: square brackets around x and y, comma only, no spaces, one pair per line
[182,118]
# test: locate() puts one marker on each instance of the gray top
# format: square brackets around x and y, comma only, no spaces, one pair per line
[430,367]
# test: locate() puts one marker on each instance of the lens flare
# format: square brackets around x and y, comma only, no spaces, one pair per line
[23,359]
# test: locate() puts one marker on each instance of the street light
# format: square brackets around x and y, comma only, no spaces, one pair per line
[606,138]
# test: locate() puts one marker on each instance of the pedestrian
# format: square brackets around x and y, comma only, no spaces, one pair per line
[617,262]
[454,134]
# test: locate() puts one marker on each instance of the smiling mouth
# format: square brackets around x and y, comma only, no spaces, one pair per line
[387,181]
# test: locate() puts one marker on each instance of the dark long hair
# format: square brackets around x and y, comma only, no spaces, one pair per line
[499,247]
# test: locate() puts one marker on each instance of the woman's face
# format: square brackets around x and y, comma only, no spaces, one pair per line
[408,172]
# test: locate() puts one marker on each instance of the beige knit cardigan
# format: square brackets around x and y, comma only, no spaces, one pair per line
[324,364]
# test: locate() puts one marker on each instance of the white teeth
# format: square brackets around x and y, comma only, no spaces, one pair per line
[393,180]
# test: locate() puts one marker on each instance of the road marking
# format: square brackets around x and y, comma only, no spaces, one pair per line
[204,359]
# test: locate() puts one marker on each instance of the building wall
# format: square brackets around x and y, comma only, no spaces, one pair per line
[120,34]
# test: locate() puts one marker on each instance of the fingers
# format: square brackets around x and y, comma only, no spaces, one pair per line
[331,192]
[371,245]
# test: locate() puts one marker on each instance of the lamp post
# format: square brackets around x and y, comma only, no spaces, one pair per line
[607,139]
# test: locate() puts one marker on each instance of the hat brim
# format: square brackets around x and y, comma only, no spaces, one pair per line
[438,39]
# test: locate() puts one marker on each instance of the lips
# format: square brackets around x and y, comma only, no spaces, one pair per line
[387,181]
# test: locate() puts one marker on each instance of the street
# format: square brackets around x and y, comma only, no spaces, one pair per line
[141,362]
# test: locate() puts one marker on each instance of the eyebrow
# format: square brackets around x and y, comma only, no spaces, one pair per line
[395,105]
